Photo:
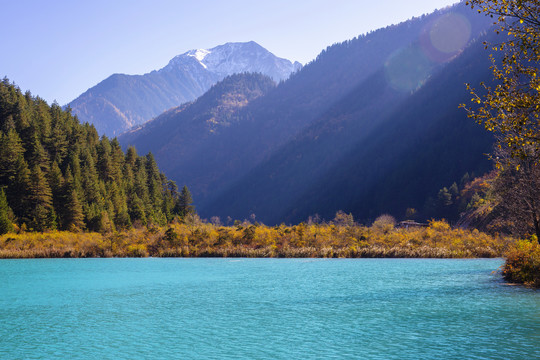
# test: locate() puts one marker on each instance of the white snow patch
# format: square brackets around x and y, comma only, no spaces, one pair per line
[199,54]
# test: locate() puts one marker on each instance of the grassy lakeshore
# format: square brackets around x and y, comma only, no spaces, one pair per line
[381,240]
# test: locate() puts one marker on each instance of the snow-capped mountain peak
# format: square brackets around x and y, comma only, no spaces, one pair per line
[232,58]
[199,54]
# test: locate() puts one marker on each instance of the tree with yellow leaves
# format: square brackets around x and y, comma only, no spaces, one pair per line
[511,107]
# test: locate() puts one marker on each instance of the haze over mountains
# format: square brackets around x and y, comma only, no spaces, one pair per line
[122,101]
[371,126]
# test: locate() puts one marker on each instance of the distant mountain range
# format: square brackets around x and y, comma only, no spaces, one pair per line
[123,101]
[371,126]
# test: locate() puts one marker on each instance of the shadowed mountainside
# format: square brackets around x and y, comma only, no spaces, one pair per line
[372,125]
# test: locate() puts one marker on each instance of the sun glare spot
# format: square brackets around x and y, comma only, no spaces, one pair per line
[446,37]
[407,69]
[450,33]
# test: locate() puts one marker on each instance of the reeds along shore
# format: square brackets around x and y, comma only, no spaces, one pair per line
[201,239]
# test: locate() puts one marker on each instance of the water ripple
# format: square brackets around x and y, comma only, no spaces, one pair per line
[264,309]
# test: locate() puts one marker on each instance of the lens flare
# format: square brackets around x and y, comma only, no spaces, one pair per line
[446,36]
[407,69]
[450,33]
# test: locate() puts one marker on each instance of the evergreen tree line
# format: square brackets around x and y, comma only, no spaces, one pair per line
[56,173]
[451,201]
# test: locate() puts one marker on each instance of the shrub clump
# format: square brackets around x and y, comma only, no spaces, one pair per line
[523,263]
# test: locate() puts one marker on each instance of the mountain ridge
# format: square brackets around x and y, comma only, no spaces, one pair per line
[122,101]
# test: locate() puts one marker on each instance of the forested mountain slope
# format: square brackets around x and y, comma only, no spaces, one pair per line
[179,136]
[372,159]
[288,154]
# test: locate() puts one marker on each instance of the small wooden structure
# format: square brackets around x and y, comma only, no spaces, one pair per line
[410,224]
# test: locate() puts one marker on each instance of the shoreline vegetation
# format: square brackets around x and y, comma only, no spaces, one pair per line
[522,263]
[341,238]
[201,239]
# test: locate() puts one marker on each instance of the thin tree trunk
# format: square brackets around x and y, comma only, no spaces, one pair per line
[536,227]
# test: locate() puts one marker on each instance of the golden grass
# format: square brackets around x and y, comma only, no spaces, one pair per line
[248,240]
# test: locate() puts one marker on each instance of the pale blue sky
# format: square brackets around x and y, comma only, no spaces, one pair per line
[58,49]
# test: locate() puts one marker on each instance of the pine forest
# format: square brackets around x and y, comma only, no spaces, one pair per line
[56,173]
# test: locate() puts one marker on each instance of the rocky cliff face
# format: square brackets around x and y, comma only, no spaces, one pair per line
[123,101]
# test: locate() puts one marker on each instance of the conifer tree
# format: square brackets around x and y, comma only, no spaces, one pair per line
[153,182]
[37,154]
[105,225]
[5,223]
[184,204]
[40,201]
[170,199]
[136,210]
[18,191]
[131,157]
[117,160]
[75,217]
[73,212]
[104,159]
[122,219]
[90,180]
[11,150]
[58,144]
[140,181]
[56,180]
[92,214]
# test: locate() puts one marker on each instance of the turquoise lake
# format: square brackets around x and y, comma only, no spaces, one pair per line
[264,309]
